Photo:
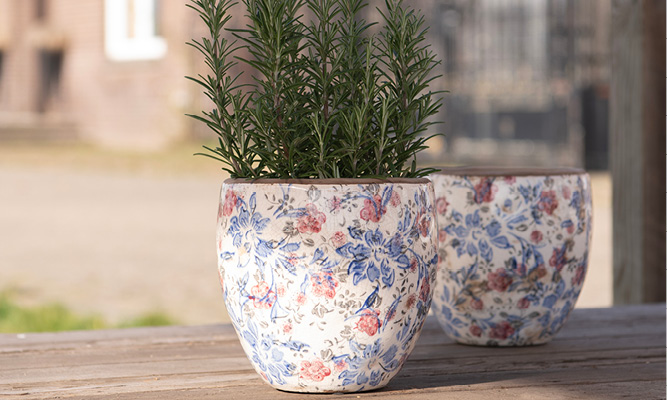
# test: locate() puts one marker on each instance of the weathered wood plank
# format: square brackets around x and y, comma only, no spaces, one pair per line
[194,352]
[643,377]
[653,124]
[626,151]
[465,392]
[582,322]
[578,335]
[166,334]
[440,358]
[600,353]
[637,138]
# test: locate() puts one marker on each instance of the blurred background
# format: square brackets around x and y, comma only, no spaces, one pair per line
[107,220]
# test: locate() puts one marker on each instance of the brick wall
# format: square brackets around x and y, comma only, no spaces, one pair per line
[120,104]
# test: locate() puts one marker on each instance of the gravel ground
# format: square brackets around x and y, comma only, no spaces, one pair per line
[124,241]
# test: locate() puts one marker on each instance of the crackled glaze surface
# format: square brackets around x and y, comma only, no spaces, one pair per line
[327,285]
[513,254]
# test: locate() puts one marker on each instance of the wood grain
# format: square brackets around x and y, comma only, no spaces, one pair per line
[601,353]
[653,124]
[637,140]
[626,148]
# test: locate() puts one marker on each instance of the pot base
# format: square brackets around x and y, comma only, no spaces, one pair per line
[326,391]
[498,344]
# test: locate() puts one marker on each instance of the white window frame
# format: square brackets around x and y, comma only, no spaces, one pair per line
[145,45]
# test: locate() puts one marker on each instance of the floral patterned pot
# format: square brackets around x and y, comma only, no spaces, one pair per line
[513,252]
[327,282]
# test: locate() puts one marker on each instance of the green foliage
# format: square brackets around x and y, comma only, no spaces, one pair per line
[55,317]
[150,319]
[327,99]
[49,318]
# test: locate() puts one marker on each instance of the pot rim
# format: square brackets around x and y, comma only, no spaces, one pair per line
[326,181]
[509,171]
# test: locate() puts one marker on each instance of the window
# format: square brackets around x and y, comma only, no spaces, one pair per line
[51,66]
[131,30]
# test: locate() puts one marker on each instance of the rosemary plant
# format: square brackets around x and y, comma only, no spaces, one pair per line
[326,98]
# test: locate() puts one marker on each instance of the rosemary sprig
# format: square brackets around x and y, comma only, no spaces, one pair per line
[327,99]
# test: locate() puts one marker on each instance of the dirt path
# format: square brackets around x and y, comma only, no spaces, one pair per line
[123,243]
[118,245]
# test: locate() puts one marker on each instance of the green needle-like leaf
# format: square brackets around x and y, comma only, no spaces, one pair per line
[326,98]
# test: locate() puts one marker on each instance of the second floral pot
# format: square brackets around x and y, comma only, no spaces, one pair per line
[327,282]
[513,252]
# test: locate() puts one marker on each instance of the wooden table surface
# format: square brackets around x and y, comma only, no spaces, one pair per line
[599,354]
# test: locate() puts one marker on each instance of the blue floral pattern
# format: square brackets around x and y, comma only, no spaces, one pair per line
[512,259]
[373,257]
[327,285]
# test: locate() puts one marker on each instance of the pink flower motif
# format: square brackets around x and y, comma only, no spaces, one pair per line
[499,280]
[334,204]
[509,179]
[567,192]
[280,290]
[558,258]
[536,236]
[373,210]
[522,269]
[338,239]
[314,370]
[395,199]
[548,202]
[501,330]
[485,190]
[476,304]
[324,285]
[441,205]
[425,291]
[311,220]
[423,223]
[578,278]
[230,202]
[411,301]
[293,258]
[570,229]
[369,322]
[287,328]
[442,235]
[261,296]
[475,330]
[413,264]
[340,365]
[301,299]
[523,303]
[260,289]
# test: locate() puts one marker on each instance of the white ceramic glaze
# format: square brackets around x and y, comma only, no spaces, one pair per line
[327,283]
[513,252]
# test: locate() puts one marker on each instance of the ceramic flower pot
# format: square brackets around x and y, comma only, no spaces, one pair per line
[327,282]
[513,251]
